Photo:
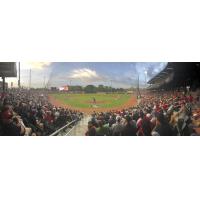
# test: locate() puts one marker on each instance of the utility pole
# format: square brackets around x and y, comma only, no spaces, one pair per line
[44,82]
[30,79]
[145,81]
[132,86]
[139,95]
[19,81]
[145,78]
[111,85]
[4,84]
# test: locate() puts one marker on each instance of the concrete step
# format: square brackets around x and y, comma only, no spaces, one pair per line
[81,127]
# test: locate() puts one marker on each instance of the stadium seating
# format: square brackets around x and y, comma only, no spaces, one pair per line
[26,113]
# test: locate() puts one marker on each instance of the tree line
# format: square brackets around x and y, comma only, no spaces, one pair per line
[95,89]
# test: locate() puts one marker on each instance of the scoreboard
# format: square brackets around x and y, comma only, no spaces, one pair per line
[8,69]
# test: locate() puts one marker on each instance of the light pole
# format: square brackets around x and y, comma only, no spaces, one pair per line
[145,81]
[19,80]
[111,85]
[139,95]
[70,85]
[145,78]
[30,74]
[44,82]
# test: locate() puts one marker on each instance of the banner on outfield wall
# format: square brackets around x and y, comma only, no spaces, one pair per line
[64,88]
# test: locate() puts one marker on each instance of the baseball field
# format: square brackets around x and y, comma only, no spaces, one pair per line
[93,102]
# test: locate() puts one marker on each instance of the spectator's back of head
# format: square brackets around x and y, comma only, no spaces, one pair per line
[160,117]
[141,114]
[118,119]
[90,124]
[100,122]
[128,119]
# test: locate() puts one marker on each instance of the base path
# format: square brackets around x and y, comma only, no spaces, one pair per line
[131,102]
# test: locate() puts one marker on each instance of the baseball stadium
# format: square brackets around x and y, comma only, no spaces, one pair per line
[99,99]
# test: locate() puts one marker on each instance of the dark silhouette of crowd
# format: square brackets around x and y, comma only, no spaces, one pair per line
[29,113]
[157,114]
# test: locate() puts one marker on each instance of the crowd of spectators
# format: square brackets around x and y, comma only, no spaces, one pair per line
[158,114]
[29,113]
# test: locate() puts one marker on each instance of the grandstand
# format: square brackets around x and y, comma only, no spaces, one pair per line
[174,110]
[177,75]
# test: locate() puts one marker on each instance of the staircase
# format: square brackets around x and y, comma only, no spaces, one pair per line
[80,128]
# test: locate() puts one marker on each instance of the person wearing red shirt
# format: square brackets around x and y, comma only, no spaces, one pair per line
[49,117]
[191,98]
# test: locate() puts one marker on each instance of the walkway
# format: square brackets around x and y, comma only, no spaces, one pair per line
[81,127]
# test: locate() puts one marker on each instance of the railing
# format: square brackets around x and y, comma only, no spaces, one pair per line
[63,128]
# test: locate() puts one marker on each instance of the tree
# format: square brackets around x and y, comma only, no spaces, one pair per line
[101,88]
[90,89]
[75,88]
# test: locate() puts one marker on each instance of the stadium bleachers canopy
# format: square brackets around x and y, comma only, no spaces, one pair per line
[177,75]
[8,69]
[162,75]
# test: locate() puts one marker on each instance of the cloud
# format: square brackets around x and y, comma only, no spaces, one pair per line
[35,65]
[154,69]
[85,75]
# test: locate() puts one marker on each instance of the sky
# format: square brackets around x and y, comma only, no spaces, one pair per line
[56,74]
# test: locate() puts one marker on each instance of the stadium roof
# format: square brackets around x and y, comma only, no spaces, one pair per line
[162,75]
[177,75]
[8,69]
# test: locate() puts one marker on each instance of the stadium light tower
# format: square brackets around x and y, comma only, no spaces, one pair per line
[44,82]
[70,82]
[145,78]
[138,87]
[30,74]
[111,85]
[19,80]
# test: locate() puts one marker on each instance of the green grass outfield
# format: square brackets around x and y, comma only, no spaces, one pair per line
[86,100]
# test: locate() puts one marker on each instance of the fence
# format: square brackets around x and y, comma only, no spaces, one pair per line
[63,129]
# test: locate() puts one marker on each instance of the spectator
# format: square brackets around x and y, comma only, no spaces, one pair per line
[117,128]
[32,112]
[129,129]
[91,130]
[102,130]
[162,126]
[9,127]
[144,125]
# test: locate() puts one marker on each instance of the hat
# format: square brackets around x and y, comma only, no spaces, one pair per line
[118,118]
[148,115]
